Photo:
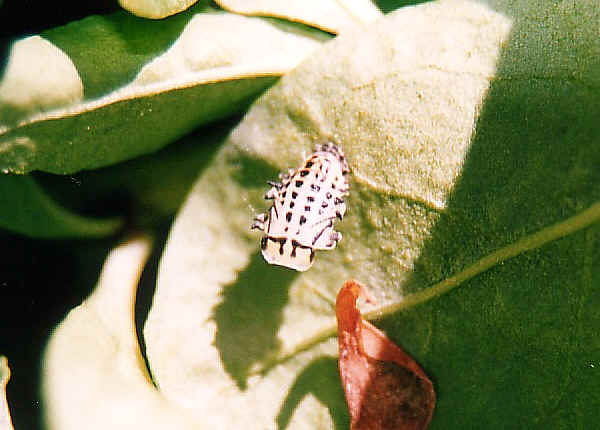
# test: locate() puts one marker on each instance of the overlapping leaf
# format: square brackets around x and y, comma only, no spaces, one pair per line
[155,9]
[94,373]
[330,15]
[469,130]
[27,209]
[206,74]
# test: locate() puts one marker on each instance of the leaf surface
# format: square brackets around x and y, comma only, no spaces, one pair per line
[155,9]
[329,15]
[93,373]
[471,132]
[467,147]
[29,210]
[140,95]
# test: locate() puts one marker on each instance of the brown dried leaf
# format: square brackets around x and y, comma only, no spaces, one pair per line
[385,388]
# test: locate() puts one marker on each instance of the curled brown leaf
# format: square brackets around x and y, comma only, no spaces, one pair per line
[384,387]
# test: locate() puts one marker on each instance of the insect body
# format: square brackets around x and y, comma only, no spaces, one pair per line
[305,205]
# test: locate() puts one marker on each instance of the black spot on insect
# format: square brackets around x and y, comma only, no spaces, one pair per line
[263,243]
[309,164]
[288,216]
[338,201]
[333,185]
[292,204]
[303,173]
[324,204]
[310,198]
[299,184]
[307,208]
[339,215]
[294,194]
[315,187]
[312,255]
[294,246]
[281,241]
[302,219]
[285,229]
[284,193]
[328,195]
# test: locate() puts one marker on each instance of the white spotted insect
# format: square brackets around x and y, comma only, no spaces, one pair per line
[305,205]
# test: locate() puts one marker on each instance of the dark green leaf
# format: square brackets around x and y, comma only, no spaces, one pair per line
[28,210]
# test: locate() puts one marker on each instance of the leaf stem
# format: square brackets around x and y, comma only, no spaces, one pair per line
[527,243]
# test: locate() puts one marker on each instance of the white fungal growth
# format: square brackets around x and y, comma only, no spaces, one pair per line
[305,205]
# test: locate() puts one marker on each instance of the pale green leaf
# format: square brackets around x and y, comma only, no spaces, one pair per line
[155,9]
[94,376]
[25,87]
[209,72]
[5,421]
[27,209]
[330,15]
[471,152]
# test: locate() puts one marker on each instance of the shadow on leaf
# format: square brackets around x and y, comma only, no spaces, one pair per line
[532,163]
[253,172]
[249,316]
[321,378]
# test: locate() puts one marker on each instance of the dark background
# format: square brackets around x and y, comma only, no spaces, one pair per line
[40,280]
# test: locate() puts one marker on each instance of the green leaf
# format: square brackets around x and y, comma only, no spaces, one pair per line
[155,184]
[25,88]
[27,209]
[208,73]
[471,154]
[473,217]
[5,421]
[155,9]
[329,15]
[96,344]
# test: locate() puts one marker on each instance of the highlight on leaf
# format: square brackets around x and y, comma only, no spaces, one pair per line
[384,387]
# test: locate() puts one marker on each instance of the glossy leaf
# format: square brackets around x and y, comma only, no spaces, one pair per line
[385,389]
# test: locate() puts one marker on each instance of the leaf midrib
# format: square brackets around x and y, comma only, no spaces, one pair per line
[527,243]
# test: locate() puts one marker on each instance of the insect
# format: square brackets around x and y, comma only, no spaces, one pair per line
[305,205]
